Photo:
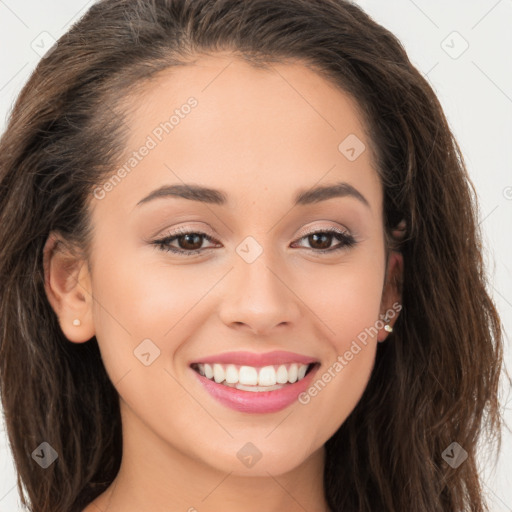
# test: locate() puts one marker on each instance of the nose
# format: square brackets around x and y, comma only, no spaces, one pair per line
[259,297]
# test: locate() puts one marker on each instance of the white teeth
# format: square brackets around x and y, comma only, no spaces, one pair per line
[248,376]
[231,374]
[218,373]
[268,377]
[293,373]
[208,371]
[282,375]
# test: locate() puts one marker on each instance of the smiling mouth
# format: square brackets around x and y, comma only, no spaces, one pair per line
[251,378]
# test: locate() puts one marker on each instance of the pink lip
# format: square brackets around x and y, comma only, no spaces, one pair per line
[257,402]
[257,360]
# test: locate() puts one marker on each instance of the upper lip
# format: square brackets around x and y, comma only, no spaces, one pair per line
[256,359]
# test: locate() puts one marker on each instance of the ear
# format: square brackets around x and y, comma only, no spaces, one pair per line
[391,302]
[68,288]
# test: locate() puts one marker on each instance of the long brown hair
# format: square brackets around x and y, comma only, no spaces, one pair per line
[435,379]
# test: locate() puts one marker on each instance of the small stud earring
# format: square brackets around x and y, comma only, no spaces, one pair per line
[387,327]
[76,322]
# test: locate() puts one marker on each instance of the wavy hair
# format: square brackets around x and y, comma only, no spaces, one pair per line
[435,380]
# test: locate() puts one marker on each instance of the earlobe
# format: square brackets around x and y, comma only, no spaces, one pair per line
[391,303]
[68,288]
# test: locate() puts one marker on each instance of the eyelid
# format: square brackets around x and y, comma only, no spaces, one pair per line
[305,232]
[315,229]
[184,230]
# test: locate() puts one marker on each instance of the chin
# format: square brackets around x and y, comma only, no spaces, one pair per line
[261,459]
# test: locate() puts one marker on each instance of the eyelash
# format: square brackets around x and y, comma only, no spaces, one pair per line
[162,244]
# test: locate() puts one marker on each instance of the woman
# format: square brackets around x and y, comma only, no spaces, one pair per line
[241,269]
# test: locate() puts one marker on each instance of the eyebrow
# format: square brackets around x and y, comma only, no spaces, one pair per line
[218,197]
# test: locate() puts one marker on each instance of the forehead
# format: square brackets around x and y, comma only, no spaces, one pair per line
[224,123]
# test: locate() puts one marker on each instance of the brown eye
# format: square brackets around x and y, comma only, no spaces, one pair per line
[320,241]
[190,241]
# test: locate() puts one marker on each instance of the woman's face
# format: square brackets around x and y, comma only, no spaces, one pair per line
[260,285]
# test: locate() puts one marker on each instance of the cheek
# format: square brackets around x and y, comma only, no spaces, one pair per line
[153,300]
[133,303]
[144,295]
[348,304]
[346,299]
[136,303]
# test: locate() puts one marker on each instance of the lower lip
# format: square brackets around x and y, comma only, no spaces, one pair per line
[257,401]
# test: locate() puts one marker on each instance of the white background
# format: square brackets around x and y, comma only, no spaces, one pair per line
[474,87]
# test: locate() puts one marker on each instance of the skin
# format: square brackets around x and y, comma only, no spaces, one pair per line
[260,136]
